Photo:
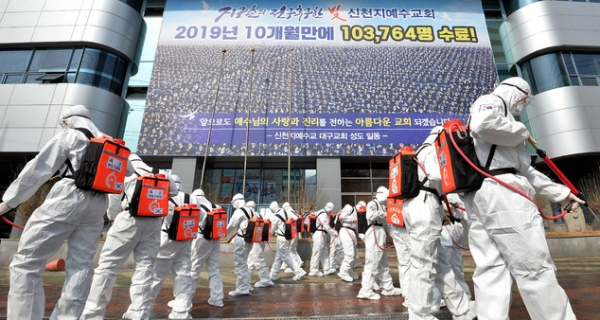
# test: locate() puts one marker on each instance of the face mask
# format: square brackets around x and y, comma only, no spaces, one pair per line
[518,108]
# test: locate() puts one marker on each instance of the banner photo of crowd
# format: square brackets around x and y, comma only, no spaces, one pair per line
[314,78]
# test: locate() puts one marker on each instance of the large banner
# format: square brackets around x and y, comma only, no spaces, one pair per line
[312,78]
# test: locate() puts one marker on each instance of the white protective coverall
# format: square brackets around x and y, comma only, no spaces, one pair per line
[283,245]
[256,257]
[207,252]
[348,238]
[293,243]
[140,235]
[506,234]
[67,213]
[401,240]
[237,226]
[336,249]
[450,238]
[175,256]
[376,262]
[423,218]
[320,243]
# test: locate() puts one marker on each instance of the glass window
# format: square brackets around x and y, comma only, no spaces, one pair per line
[14,60]
[135,4]
[356,185]
[14,78]
[586,63]
[102,69]
[76,59]
[50,60]
[589,81]
[546,71]
[569,63]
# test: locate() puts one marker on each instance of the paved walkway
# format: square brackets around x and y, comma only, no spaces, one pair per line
[329,298]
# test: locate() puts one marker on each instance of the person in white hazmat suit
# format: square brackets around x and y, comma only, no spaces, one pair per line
[401,240]
[237,226]
[207,252]
[278,217]
[175,256]
[506,234]
[128,234]
[423,218]
[256,257]
[293,243]
[452,233]
[376,262]
[336,250]
[320,243]
[68,212]
[348,238]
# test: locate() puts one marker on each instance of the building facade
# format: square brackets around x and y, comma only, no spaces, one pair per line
[101,53]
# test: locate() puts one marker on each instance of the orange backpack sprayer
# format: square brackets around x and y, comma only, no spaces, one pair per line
[404,179]
[103,165]
[394,212]
[266,235]
[457,174]
[184,225]
[150,196]
[254,229]
[290,227]
[216,224]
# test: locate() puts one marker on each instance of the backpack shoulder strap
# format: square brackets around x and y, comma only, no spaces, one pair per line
[186,198]
[245,212]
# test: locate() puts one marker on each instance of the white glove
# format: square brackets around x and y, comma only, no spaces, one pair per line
[569,198]
[361,236]
[4,208]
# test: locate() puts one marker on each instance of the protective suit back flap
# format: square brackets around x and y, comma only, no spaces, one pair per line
[103,165]
[184,225]
[254,230]
[457,174]
[216,224]
[150,196]
[394,212]
[404,178]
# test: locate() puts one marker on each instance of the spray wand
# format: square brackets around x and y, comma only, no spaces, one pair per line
[542,154]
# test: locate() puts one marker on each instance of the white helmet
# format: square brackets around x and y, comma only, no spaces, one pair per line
[177,181]
[238,201]
[516,92]
[251,204]
[382,194]
[274,207]
[329,207]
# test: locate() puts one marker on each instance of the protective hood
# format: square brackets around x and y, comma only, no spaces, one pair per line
[516,93]
[382,194]
[274,207]
[78,116]
[177,181]
[361,206]
[238,201]
[251,204]
[138,165]
[347,210]
[433,134]
[329,207]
